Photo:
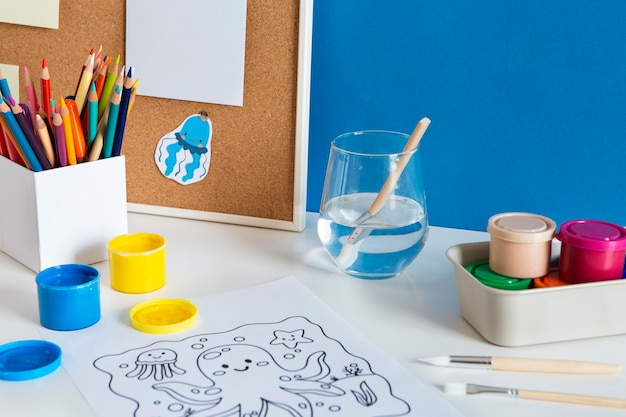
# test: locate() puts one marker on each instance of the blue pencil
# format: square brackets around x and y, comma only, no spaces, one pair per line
[114,109]
[123,113]
[21,142]
[4,86]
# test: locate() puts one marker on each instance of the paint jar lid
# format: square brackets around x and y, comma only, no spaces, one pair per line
[28,359]
[550,280]
[593,235]
[165,315]
[521,227]
[485,275]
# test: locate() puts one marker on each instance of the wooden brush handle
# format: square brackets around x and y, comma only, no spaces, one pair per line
[392,179]
[553,365]
[572,398]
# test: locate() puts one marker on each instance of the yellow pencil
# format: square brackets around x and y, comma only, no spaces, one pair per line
[83,84]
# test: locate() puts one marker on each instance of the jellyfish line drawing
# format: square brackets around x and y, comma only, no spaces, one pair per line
[156,363]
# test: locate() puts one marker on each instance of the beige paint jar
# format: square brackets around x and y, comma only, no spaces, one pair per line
[520,244]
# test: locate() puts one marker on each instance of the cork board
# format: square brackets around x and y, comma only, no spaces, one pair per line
[257,172]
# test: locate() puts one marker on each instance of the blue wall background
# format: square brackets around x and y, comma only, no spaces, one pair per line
[527,100]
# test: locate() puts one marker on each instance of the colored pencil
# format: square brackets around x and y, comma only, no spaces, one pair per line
[83,70]
[12,128]
[108,86]
[97,60]
[31,96]
[133,93]
[102,73]
[96,147]
[123,112]
[59,137]
[23,120]
[67,130]
[3,145]
[45,89]
[80,146]
[4,85]
[92,115]
[83,85]
[13,153]
[114,108]
[44,136]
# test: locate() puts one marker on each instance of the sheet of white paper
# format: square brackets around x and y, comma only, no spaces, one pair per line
[188,50]
[270,350]
[12,74]
[40,13]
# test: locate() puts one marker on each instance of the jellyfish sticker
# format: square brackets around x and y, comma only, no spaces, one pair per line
[184,154]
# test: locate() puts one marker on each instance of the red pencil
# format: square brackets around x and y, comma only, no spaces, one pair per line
[14,153]
[3,145]
[45,89]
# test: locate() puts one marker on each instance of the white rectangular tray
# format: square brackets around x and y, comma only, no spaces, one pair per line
[533,316]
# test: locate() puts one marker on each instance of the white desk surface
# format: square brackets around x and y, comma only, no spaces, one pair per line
[413,315]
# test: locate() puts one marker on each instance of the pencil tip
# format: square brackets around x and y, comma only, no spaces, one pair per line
[130,72]
[44,63]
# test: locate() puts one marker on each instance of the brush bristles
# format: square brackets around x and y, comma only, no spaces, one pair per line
[455,388]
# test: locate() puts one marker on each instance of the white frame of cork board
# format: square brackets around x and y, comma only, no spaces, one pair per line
[298,221]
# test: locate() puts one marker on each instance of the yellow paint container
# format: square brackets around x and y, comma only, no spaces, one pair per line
[137,262]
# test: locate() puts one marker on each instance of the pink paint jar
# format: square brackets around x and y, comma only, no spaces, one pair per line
[591,250]
[520,244]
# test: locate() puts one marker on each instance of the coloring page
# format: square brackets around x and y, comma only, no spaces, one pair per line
[257,361]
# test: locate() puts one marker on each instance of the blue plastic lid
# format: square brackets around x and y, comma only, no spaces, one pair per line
[28,359]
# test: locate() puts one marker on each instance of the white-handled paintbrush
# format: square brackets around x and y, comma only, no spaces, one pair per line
[458,388]
[524,364]
[350,249]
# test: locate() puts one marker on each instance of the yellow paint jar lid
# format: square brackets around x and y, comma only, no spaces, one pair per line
[166,315]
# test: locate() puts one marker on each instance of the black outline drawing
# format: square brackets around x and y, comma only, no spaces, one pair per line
[289,368]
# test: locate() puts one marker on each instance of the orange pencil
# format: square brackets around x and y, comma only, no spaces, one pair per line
[102,75]
[45,89]
[80,146]
[67,131]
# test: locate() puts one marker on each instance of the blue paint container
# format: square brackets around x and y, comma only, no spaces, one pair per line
[69,296]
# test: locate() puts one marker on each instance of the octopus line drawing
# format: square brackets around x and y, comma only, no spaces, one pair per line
[288,368]
[184,154]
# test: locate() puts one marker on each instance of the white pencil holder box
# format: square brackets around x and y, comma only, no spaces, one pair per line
[536,315]
[62,215]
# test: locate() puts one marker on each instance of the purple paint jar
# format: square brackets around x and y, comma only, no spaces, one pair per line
[591,250]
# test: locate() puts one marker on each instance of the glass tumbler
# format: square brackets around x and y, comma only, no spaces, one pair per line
[361,166]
